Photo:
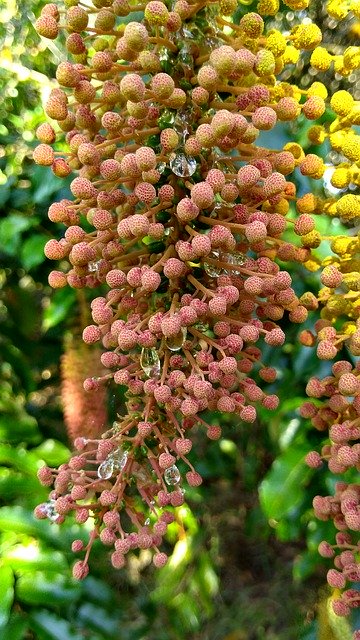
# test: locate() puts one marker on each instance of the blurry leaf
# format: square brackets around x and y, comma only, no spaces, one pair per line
[98,619]
[32,251]
[53,453]
[19,458]
[15,485]
[30,558]
[46,184]
[97,590]
[23,308]
[10,232]
[49,589]
[17,427]
[6,593]
[283,487]
[20,520]
[15,628]
[48,626]
[305,565]
[59,307]
[188,612]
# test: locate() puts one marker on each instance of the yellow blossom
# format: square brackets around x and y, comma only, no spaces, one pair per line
[320,59]
[306,36]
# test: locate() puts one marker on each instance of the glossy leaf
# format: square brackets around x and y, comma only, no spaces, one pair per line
[282,489]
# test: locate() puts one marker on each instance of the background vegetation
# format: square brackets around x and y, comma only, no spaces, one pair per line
[246,565]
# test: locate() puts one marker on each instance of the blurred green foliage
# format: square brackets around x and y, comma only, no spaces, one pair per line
[229,578]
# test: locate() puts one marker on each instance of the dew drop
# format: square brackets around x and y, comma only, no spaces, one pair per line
[237,259]
[172,475]
[182,165]
[94,266]
[161,167]
[106,469]
[175,343]
[147,522]
[119,459]
[50,510]
[213,270]
[150,362]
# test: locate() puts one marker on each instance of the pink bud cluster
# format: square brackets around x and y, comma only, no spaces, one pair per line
[181,218]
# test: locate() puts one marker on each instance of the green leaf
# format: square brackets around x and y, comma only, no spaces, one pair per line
[282,489]
[20,458]
[52,452]
[99,619]
[48,589]
[6,593]
[48,626]
[32,251]
[59,308]
[18,427]
[15,628]
[29,555]
[10,231]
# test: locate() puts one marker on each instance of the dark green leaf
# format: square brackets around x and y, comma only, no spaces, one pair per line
[283,487]
[32,251]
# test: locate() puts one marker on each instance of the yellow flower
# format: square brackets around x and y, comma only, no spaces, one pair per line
[316,134]
[348,207]
[320,59]
[291,55]
[351,147]
[306,36]
[338,10]
[352,58]
[341,177]
[268,7]
[318,89]
[311,239]
[276,43]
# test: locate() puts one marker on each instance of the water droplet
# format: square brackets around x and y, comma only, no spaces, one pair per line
[50,510]
[150,362]
[175,343]
[106,469]
[161,167]
[94,266]
[147,522]
[237,259]
[182,165]
[119,459]
[172,475]
[168,231]
[213,270]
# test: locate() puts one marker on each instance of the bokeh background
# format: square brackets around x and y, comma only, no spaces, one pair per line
[245,566]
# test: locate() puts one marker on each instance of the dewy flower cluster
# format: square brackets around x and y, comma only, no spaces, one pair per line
[183,218]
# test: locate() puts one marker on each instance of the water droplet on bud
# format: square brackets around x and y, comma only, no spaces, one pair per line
[182,165]
[237,259]
[105,469]
[212,270]
[172,475]
[50,510]
[175,343]
[94,267]
[150,362]
[119,459]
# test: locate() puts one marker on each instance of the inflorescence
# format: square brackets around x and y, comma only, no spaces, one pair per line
[182,219]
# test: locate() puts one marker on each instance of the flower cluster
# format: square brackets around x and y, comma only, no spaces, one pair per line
[183,218]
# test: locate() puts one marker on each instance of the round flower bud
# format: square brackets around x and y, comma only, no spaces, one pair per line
[156,13]
[132,87]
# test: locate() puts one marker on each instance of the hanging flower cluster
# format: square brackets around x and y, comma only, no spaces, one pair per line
[183,218]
